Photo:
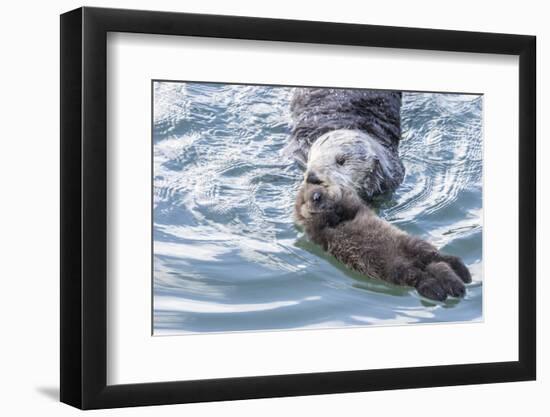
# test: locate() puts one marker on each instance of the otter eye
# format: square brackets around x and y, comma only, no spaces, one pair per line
[340,160]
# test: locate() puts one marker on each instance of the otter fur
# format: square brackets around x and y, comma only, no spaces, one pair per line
[338,220]
[348,137]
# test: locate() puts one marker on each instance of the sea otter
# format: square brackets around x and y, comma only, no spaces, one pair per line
[338,220]
[348,137]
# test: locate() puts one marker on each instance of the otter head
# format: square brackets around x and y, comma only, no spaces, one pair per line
[353,159]
[319,206]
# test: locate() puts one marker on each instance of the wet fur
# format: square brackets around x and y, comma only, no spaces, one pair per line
[350,231]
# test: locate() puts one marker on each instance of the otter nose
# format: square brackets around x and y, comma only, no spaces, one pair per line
[316,196]
[312,178]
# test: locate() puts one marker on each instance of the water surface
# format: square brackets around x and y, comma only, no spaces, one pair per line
[227,255]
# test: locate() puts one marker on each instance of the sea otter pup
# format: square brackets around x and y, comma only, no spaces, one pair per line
[348,137]
[338,220]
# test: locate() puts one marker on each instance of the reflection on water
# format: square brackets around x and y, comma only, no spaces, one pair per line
[227,256]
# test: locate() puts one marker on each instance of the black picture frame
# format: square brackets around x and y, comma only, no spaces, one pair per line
[84,207]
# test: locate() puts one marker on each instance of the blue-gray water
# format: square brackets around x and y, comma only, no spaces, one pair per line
[227,256]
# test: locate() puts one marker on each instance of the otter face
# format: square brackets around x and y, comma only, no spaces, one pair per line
[317,199]
[351,159]
[321,205]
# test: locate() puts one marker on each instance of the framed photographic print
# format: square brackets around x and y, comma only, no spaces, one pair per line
[257,207]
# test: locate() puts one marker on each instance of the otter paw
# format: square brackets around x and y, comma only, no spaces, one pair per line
[448,279]
[441,282]
[458,267]
[431,288]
